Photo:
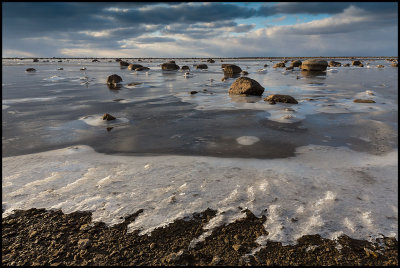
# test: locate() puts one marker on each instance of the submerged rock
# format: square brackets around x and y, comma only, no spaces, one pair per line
[231,69]
[280,98]
[169,66]
[134,66]
[279,65]
[202,66]
[314,65]
[296,63]
[108,117]
[123,63]
[246,86]
[142,69]
[30,70]
[363,101]
[333,63]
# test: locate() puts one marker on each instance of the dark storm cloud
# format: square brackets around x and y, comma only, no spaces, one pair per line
[315,8]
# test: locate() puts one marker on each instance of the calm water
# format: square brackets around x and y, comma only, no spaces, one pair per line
[328,162]
[52,109]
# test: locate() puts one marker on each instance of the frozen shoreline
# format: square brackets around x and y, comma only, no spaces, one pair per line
[325,190]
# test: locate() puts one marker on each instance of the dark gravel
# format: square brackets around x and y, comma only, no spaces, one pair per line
[43,237]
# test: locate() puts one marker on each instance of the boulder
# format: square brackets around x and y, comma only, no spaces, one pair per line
[169,66]
[346,65]
[185,67]
[210,60]
[231,69]
[134,66]
[281,98]
[108,117]
[35,60]
[395,64]
[363,101]
[123,63]
[202,66]
[295,63]
[246,86]
[279,65]
[142,68]
[334,64]
[314,65]
[244,73]
[118,60]
[113,79]
[380,66]
[356,62]
[265,65]
[30,70]
[95,60]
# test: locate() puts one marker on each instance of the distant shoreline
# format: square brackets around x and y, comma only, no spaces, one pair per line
[201,58]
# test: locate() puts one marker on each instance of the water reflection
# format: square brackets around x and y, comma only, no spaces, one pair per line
[244,98]
[311,74]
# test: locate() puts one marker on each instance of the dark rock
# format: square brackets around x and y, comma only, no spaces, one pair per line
[123,63]
[395,64]
[108,117]
[118,60]
[314,65]
[169,66]
[334,64]
[356,62]
[281,98]
[193,92]
[380,66]
[363,101]
[185,67]
[289,68]
[296,63]
[142,69]
[210,60]
[95,60]
[60,69]
[60,61]
[361,65]
[109,128]
[134,66]
[202,66]
[114,79]
[246,86]
[30,70]
[279,65]
[231,69]
[265,65]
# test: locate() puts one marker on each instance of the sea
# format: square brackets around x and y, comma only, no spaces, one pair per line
[326,165]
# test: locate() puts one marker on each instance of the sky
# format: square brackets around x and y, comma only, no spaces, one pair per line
[199,29]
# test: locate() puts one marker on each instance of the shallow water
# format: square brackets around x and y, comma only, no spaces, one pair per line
[326,161]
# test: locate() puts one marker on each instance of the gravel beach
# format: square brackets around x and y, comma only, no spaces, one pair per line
[44,237]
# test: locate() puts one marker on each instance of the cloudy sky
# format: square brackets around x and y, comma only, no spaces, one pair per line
[199,29]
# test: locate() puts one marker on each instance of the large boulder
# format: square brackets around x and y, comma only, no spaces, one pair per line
[123,63]
[202,66]
[134,66]
[113,80]
[314,65]
[295,63]
[246,86]
[169,66]
[281,98]
[333,63]
[231,69]
[279,65]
